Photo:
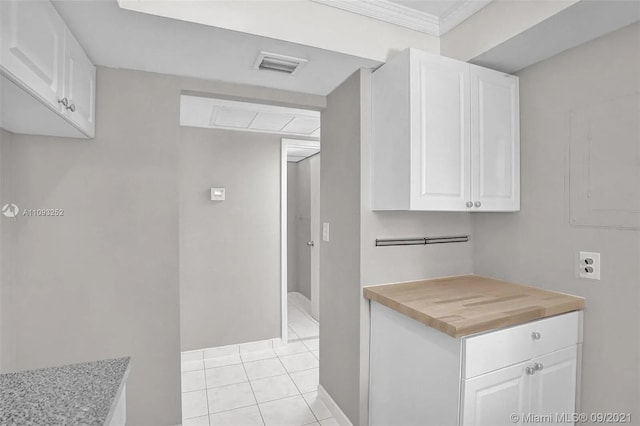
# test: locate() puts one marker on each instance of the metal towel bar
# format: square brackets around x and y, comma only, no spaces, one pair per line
[386,242]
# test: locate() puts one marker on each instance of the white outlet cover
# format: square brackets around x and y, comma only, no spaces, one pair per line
[589,259]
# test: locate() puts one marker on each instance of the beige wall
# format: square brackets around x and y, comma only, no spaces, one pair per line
[340,292]
[292,233]
[303,228]
[538,246]
[229,250]
[8,240]
[102,281]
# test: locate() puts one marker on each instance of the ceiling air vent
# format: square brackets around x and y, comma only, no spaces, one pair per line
[281,63]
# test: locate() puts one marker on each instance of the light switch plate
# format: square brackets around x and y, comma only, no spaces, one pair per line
[325,231]
[218,194]
[589,265]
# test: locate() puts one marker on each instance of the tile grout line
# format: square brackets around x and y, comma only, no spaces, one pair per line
[300,392]
[305,400]
[206,390]
[251,387]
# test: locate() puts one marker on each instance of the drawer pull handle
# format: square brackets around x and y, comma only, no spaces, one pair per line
[536,335]
[537,366]
[530,371]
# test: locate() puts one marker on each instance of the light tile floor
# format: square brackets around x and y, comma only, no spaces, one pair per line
[257,383]
[301,323]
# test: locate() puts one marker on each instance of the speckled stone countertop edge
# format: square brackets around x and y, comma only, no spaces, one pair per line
[84,393]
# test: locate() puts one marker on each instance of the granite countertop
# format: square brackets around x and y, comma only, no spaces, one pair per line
[459,306]
[76,394]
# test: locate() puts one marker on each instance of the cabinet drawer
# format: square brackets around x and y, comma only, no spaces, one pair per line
[498,349]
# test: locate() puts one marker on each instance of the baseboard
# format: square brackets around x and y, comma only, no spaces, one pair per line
[300,299]
[337,413]
[257,345]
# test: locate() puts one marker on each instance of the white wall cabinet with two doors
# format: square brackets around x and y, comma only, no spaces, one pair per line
[47,81]
[446,136]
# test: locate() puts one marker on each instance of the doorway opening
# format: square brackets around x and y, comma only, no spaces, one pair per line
[300,240]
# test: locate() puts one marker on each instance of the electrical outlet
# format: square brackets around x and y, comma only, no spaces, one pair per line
[325,231]
[589,265]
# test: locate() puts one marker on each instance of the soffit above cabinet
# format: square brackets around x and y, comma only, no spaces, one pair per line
[196,111]
[433,17]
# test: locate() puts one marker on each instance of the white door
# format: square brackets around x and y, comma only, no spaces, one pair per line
[32,43]
[440,141]
[491,399]
[79,86]
[315,235]
[495,140]
[553,386]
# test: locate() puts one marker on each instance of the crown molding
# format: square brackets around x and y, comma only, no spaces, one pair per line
[463,11]
[390,12]
[397,14]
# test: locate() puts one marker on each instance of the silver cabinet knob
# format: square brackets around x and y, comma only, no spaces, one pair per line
[310,243]
[530,371]
[537,366]
[64,102]
[72,108]
[478,204]
[469,204]
[536,335]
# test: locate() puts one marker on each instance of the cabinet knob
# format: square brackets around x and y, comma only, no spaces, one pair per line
[530,371]
[536,335]
[469,204]
[72,108]
[537,366]
[64,102]
[478,204]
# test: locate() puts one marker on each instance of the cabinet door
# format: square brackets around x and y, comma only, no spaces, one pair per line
[495,140]
[31,51]
[491,399]
[553,387]
[79,86]
[440,142]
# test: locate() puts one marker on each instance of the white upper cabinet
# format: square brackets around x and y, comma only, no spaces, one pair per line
[495,140]
[79,86]
[33,47]
[439,112]
[445,136]
[48,82]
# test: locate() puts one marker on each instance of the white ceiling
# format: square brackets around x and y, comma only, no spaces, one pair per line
[213,113]
[434,17]
[119,38]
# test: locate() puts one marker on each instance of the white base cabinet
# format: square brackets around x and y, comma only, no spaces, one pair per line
[48,82]
[446,136]
[421,376]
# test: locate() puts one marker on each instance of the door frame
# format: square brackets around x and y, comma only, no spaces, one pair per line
[284,325]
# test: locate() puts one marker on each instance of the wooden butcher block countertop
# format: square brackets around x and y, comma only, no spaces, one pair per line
[470,304]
